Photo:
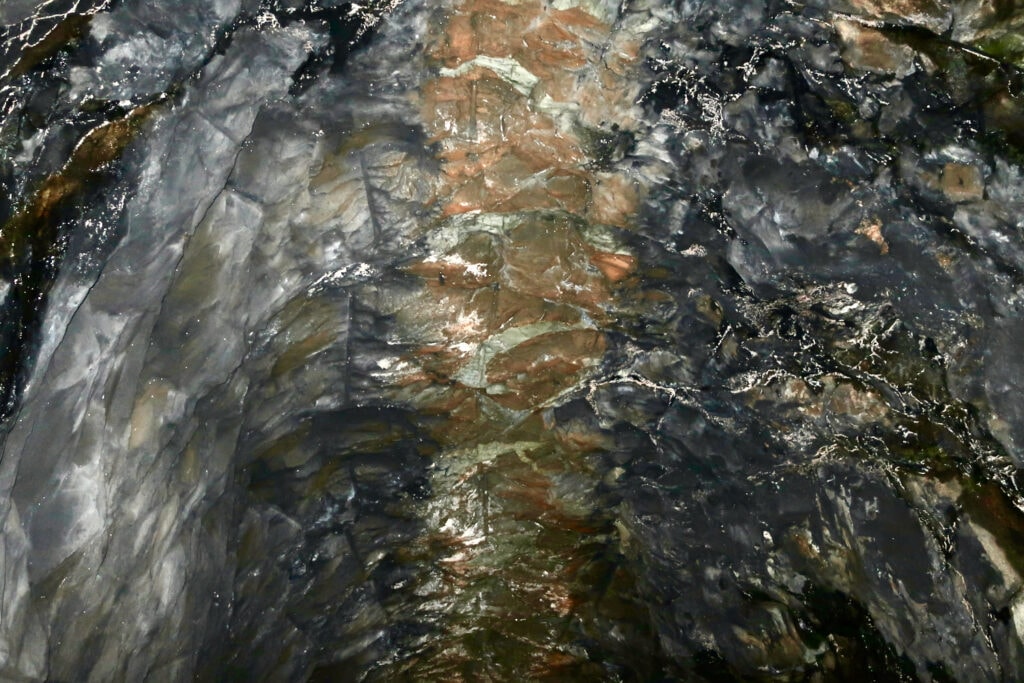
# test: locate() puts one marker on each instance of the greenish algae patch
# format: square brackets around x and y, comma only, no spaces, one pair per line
[1008,47]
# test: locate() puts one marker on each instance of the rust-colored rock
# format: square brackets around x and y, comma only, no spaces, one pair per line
[543,367]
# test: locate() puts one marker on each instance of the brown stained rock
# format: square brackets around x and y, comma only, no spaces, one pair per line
[465,420]
[480,195]
[570,188]
[477,110]
[991,508]
[836,399]
[600,101]
[557,66]
[452,322]
[555,85]
[68,30]
[545,147]
[709,308]
[459,43]
[33,224]
[500,33]
[436,365]
[548,258]
[474,264]
[867,49]
[491,311]
[454,273]
[542,367]
[549,32]
[536,196]
[1004,112]
[898,7]
[445,316]
[491,192]
[530,494]
[308,326]
[561,51]
[471,196]
[962,182]
[508,173]
[499,153]
[792,393]
[615,198]
[512,309]
[615,267]
[460,406]
[459,164]
[478,118]
[447,108]
[552,45]
[946,258]
[502,171]
[587,28]
[843,399]
[503,151]
[491,189]
[771,641]
[483,27]
[623,53]
[501,9]
[581,438]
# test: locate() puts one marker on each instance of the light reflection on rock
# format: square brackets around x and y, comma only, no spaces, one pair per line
[511,312]
[518,340]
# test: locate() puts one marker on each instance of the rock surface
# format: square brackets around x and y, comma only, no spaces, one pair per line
[490,340]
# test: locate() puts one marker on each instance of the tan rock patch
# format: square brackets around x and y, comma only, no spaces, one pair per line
[872,229]
[962,182]
[933,14]
[869,50]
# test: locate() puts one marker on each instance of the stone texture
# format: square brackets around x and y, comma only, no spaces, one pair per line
[579,340]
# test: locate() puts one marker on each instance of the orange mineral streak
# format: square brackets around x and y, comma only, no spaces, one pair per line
[499,152]
[511,543]
[615,267]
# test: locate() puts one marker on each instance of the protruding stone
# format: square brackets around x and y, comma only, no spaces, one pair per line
[867,49]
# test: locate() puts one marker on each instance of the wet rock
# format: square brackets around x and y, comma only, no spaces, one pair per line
[934,15]
[578,340]
[869,50]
